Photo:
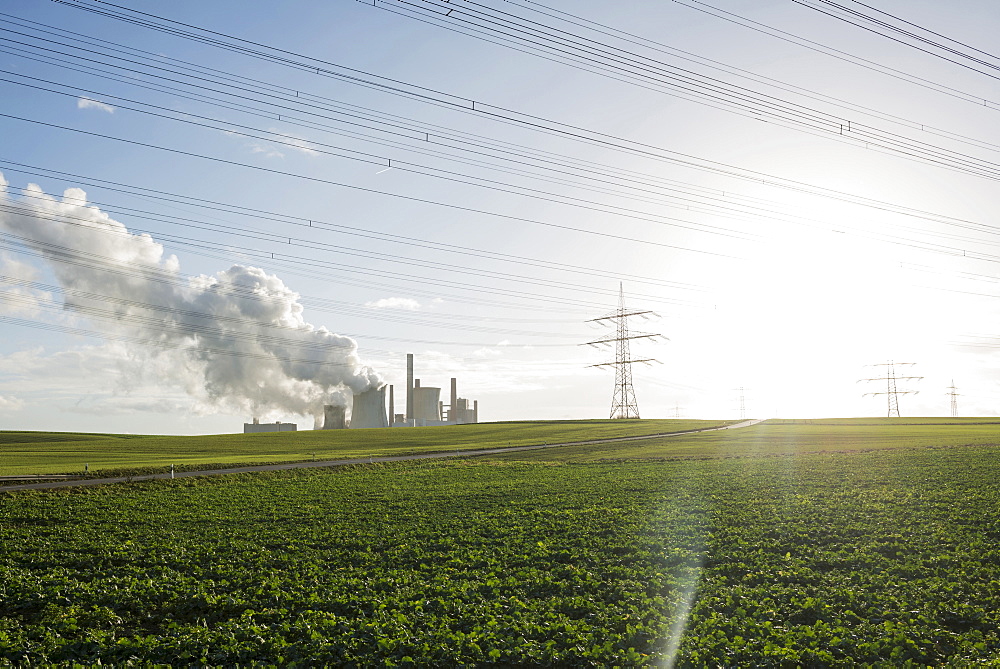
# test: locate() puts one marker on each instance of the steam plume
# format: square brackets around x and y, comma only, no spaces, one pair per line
[254,353]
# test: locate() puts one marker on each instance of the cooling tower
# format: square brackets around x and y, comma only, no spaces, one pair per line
[369,409]
[333,418]
[426,403]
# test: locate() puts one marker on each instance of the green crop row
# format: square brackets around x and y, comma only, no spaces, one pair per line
[884,557]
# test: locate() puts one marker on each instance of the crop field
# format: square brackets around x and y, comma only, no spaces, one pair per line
[787,438]
[55,452]
[846,556]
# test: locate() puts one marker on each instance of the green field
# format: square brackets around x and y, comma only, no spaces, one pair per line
[59,452]
[778,545]
[786,438]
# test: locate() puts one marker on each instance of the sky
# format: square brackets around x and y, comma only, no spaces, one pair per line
[191,236]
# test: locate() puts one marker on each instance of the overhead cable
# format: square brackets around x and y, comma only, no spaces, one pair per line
[463,104]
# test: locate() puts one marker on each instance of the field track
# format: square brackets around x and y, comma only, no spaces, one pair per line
[355,461]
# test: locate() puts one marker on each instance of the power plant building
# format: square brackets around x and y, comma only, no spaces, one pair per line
[461,414]
[256,426]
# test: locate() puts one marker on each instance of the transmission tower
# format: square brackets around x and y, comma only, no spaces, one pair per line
[891,390]
[623,403]
[954,398]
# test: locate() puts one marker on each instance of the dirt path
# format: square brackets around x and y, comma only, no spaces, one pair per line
[357,461]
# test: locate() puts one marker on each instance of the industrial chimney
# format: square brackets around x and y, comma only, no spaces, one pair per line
[392,407]
[452,415]
[409,386]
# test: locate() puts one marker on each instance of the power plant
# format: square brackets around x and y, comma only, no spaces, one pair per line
[424,407]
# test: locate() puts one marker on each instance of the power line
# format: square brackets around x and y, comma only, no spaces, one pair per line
[82,303]
[284,241]
[912,39]
[467,105]
[330,182]
[256,297]
[540,37]
[407,166]
[367,233]
[681,54]
[425,132]
[754,213]
[640,186]
[838,54]
[302,260]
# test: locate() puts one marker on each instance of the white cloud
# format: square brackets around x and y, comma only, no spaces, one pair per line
[87,103]
[17,296]
[403,303]
[294,142]
[268,151]
[10,403]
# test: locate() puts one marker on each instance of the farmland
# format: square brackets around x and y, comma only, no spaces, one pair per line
[48,453]
[791,438]
[812,555]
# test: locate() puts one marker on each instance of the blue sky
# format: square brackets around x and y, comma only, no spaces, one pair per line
[781,292]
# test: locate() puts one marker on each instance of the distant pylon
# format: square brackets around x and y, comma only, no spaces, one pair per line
[891,392]
[743,405]
[623,402]
[954,399]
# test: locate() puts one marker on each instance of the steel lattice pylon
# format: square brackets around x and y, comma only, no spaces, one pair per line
[891,391]
[623,402]
[953,391]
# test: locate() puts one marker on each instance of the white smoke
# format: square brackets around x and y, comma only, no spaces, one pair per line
[254,353]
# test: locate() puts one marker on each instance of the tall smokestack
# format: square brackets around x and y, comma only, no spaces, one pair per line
[452,413]
[392,407]
[409,386]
